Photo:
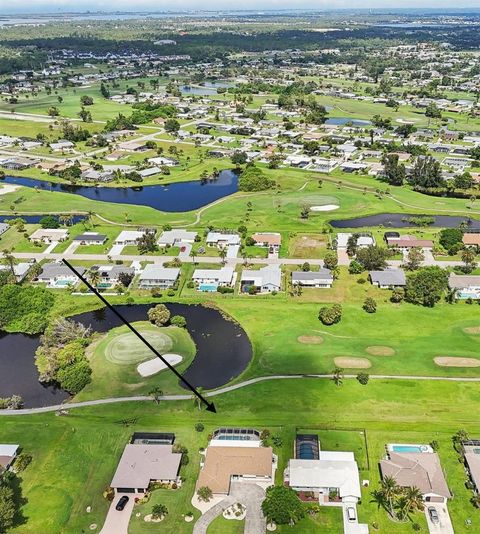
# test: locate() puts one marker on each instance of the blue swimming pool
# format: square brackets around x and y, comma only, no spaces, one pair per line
[468,295]
[409,448]
[208,287]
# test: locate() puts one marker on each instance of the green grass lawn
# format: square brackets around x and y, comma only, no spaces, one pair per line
[220,525]
[112,378]
[74,457]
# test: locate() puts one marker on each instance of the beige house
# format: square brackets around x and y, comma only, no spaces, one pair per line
[49,235]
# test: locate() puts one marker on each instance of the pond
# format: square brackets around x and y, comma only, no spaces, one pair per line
[207,89]
[177,197]
[401,220]
[223,351]
[342,121]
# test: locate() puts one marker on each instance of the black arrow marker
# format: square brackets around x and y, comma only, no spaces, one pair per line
[210,405]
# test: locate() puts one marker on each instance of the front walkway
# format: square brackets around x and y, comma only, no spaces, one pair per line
[247,493]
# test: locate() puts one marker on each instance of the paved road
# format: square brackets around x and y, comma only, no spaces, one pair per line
[226,389]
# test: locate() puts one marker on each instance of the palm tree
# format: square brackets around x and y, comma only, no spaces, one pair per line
[223,255]
[9,260]
[390,490]
[337,376]
[192,255]
[94,278]
[156,393]
[412,500]
[197,401]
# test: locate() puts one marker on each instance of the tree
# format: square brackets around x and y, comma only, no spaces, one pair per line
[398,294]
[373,258]
[204,494]
[53,111]
[8,507]
[363,378]
[73,378]
[179,321]
[427,173]
[159,510]
[104,90]
[337,376]
[239,158]
[355,267]
[449,237]
[199,427]
[94,277]
[415,256]
[125,278]
[172,125]
[330,315]
[305,267]
[390,491]
[146,243]
[159,314]
[463,181]
[49,221]
[352,244]
[468,258]
[330,261]
[156,392]
[282,506]
[432,111]
[410,500]
[86,100]
[254,179]
[394,172]
[369,305]
[426,286]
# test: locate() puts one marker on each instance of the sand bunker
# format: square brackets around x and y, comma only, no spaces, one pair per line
[155,365]
[327,207]
[380,350]
[472,330]
[352,363]
[449,361]
[310,340]
[8,188]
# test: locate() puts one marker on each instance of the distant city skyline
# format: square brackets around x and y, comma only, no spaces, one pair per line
[77,6]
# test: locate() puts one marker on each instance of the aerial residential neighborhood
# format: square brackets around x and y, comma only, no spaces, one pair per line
[239,267]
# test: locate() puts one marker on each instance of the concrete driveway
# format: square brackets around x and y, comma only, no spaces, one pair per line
[117,522]
[251,496]
[352,527]
[444,526]
[116,250]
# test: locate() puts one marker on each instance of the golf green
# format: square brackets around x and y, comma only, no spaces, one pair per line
[126,349]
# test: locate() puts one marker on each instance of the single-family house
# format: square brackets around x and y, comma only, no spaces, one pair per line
[211,279]
[416,466]
[471,239]
[222,240]
[471,456]
[236,455]
[59,275]
[272,241]
[20,270]
[407,242]
[148,458]
[62,145]
[388,279]
[334,473]
[321,278]
[264,280]
[465,285]
[176,237]
[110,275]
[129,237]
[158,276]
[49,235]
[90,238]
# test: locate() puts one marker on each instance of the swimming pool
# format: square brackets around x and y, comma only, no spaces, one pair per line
[61,283]
[409,448]
[468,295]
[208,287]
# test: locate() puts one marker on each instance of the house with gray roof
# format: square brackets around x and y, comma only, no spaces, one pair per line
[321,278]
[388,279]
[264,280]
[90,238]
[176,237]
[3,228]
[158,276]
[59,275]
[465,286]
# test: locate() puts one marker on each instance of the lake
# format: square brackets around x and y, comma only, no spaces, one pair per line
[223,351]
[400,220]
[342,121]
[177,197]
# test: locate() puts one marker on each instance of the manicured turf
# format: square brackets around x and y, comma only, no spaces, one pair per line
[74,457]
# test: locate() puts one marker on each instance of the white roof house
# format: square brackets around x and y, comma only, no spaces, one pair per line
[19,270]
[158,276]
[223,276]
[171,237]
[320,278]
[220,239]
[128,237]
[266,279]
[48,235]
[332,470]
[163,162]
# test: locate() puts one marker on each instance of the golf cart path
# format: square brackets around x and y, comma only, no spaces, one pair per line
[227,389]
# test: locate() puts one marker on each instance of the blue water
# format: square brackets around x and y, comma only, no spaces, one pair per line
[208,287]
[341,121]
[178,197]
[209,88]
[407,448]
[468,295]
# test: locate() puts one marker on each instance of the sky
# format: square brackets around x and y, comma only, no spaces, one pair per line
[58,6]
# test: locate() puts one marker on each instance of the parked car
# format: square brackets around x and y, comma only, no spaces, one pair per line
[121,503]
[351,514]
[433,515]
